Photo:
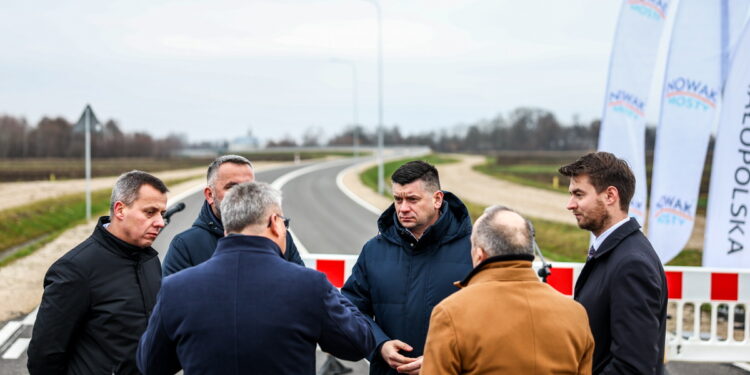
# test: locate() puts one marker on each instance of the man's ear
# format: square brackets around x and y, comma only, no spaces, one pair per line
[437,197]
[478,255]
[117,210]
[208,194]
[612,196]
[276,224]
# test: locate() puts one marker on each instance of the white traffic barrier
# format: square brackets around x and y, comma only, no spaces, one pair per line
[717,293]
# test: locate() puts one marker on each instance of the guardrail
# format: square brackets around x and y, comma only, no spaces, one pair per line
[718,332]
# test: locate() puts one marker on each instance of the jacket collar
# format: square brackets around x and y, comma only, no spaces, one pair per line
[241,242]
[614,238]
[208,221]
[516,267]
[454,222]
[118,246]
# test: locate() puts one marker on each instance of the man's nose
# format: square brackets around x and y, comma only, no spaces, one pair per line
[571,204]
[159,222]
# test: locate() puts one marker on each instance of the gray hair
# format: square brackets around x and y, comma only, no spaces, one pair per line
[214,166]
[248,204]
[127,186]
[502,239]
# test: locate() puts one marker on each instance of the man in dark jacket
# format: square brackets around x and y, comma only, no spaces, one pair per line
[247,310]
[98,297]
[622,285]
[410,266]
[196,244]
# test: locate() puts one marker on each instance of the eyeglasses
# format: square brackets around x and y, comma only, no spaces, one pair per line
[286,220]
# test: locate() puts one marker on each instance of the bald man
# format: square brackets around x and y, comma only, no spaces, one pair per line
[504,320]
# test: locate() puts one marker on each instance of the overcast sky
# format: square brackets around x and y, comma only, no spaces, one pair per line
[214,69]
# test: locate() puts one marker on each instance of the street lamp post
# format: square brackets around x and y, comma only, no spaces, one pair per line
[355,134]
[381,187]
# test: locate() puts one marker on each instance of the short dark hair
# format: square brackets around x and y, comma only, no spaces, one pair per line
[214,166]
[417,170]
[604,169]
[129,183]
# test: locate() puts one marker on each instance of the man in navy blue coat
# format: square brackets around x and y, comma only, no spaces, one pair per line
[247,310]
[197,243]
[423,247]
[622,285]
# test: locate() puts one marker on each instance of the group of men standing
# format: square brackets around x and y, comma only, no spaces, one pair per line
[429,293]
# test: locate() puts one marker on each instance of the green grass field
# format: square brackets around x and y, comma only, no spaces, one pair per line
[46,219]
[64,168]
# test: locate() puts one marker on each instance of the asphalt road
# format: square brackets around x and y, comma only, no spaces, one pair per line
[323,218]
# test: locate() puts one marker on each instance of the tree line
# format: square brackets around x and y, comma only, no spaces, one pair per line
[58,138]
[524,129]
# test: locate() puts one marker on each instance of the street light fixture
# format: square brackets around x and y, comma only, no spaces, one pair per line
[355,134]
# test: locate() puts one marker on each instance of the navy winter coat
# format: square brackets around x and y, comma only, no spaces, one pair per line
[249,311]
[399,280]
[196,244]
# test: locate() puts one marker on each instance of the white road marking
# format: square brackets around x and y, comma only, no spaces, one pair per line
[17,349]
[31,318]
[743,365]
[340,183]
[8,331]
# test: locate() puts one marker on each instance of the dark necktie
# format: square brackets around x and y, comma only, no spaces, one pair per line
[591,253]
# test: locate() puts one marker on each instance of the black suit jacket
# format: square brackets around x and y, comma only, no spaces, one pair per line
[624,290]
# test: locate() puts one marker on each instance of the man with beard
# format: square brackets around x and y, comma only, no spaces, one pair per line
[196,244]
[622,285]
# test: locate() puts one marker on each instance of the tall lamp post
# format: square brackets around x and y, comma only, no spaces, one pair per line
[355,134]
[381,187]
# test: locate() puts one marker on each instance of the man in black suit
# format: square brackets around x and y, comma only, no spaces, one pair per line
[622,286]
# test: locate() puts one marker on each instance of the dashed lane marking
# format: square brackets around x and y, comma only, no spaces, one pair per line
[18,348]
[8,331]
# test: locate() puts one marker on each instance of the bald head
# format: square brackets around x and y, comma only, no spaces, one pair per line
[502,231]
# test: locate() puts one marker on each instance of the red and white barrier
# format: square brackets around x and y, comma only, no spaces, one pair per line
[687,286]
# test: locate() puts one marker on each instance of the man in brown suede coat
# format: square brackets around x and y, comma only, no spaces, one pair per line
[504,320]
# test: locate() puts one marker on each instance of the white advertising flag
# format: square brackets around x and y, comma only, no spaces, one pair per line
[631,69]
[726,236]
[692,89]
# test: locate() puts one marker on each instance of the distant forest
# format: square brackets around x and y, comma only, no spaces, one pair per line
[523,129]
[58,138]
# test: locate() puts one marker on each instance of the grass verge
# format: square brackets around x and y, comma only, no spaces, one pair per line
[369,177]
[48,218]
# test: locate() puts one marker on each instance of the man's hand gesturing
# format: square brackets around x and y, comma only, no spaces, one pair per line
[390,352]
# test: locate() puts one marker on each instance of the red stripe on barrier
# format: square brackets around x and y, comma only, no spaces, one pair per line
[562,280]
[674,284]
[724,286]
[334,270]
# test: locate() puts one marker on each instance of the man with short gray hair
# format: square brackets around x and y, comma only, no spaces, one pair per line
[504,320]
[196,244]
[98,296]
[247,310]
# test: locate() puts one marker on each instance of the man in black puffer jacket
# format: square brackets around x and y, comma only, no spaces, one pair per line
[196,244]
[409,267]
[98,297]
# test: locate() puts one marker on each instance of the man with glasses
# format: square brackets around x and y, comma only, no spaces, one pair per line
[196,244]
[247,310]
